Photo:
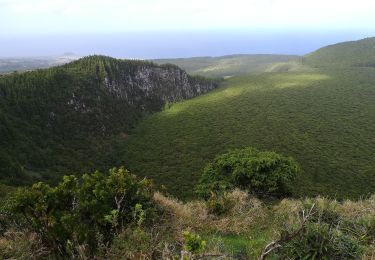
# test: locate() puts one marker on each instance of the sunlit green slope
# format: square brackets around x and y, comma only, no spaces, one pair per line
[323,119]
[232,65]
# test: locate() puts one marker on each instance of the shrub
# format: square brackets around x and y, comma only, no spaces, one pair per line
[258,172]
[325,210]
[320,241]
[330,231]
[84,213]
[193,243]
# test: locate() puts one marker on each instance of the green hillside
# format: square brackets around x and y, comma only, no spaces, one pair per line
[347,54]
[62,120]
[232,65]
[324,119]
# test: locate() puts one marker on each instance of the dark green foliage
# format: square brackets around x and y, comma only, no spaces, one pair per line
[193,243]
[258,172]
[86,212]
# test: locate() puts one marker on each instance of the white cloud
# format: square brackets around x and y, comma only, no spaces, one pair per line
[21,16]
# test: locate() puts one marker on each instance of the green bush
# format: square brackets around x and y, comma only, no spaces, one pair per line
[86,212]
[258,172]
[194,243]
[320,241]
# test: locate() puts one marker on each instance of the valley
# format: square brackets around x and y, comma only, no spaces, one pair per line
[295,134]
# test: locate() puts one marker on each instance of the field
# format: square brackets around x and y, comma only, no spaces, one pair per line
[323,119]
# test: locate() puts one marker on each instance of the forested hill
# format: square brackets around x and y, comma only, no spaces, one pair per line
[347,54]
[61,120]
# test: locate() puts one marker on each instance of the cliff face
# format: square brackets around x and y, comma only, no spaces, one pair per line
[166,83]
[62,120]
[122,91]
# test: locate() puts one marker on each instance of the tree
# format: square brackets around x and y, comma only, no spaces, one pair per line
[258,172]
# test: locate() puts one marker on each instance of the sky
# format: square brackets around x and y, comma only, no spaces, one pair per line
[149,28]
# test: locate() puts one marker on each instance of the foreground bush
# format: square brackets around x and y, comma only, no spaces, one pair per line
[258,172]
[83,215]
[330,230]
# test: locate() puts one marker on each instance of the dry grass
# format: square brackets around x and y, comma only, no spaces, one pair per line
[20,245]
[353,210]
[359,209]
[243,212]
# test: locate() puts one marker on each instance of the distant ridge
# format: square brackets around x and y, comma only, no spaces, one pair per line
[229,65]
[347,54]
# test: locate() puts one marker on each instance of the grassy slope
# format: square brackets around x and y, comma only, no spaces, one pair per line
[323,119]
[232,65]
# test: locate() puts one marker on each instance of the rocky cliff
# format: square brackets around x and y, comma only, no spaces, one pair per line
[166,83]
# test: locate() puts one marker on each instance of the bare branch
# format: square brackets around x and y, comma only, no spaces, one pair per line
[277,244]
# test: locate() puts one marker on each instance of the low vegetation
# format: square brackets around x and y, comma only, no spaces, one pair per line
[116,215]
[77,216]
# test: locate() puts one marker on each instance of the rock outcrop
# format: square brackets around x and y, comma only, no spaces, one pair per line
[166,83]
